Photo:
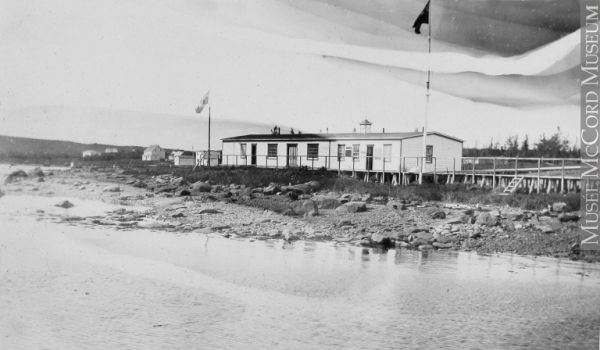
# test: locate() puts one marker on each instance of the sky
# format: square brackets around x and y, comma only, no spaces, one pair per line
[133,71]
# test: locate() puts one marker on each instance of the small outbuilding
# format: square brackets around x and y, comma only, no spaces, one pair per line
[184,158]
[153,153]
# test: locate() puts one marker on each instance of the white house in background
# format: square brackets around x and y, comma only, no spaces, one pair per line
[90,153]
[184,158]
[363,151]
[153,153]
[111,150]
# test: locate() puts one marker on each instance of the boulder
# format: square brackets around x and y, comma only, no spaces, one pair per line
[380,200]
[436,213]
[65,204]
[455,220]
[514,216]
[568,217]
[328,203]
[440,245]
[271,189]
[299,189]
[351,207]
[140,184]
[425,247]
[200,186]
[165,189]
[345,222]
[111,188]
[185,193]
[313,185]
[293,196]
[307,207]
[487,219]
[15,176]
[559,207]
[384,239]
[423,236]
[345,198]
[36,172]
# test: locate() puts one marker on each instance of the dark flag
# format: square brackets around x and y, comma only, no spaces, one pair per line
[423,18]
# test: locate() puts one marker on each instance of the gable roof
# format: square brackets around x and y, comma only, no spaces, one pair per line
[153,148]
[336,137]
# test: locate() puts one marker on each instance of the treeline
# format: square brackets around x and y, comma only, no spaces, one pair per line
[555,146]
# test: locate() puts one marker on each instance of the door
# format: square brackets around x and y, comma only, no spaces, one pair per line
[292,155]
[253,154]
[369,165]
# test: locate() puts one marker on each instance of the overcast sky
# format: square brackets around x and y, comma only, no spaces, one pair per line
[309,64]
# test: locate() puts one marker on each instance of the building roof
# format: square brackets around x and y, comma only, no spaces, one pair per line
[335,137]
[153,148]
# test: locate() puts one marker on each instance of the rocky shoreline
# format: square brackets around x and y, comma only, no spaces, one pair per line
[304,212]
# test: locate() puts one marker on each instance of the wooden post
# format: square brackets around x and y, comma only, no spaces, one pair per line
[435,170]
[516,167]
[453,169]
[353,173]
[539,175]
[383,171]
[494,174]
[473,178]
[562,178]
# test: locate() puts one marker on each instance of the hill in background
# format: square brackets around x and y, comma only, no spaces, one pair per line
[27,148]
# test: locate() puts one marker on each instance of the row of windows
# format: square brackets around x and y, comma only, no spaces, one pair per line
[344,151]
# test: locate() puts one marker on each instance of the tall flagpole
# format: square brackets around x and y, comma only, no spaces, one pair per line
[427,94]
[209,155]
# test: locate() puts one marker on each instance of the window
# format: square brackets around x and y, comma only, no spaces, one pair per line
[341,152]
[243,150]
[387,153]
[312,150]
[349,151]
[272,150]
[429,154]
[355,150]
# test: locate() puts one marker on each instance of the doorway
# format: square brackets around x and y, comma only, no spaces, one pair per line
[292,155]
[253,154]
[369,165]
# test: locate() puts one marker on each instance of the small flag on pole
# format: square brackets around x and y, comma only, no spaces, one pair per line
[203,103]
[421,19]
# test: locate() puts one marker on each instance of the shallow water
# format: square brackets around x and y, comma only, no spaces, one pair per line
[71,287]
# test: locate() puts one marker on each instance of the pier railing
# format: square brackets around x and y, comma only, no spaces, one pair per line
[537,173]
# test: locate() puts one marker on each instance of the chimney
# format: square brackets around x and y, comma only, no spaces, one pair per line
[327,130]
[383,130]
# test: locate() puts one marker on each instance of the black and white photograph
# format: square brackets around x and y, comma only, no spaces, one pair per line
[299,174]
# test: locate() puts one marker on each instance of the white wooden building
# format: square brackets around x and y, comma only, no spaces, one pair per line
[394,152]
[184,158]
[90,153]
[153,153]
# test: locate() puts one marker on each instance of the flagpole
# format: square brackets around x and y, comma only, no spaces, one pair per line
[427,94]
[209,135]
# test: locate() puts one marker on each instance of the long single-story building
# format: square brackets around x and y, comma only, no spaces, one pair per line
[90,153]
[392,152]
